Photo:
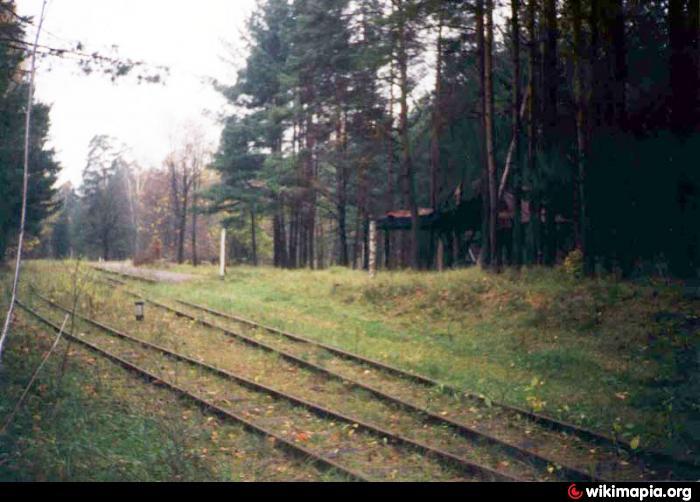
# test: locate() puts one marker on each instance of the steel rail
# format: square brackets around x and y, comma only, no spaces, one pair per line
[658,458]
[454,460]
[319,460]
[125,275]
[543,420]
[535,417]
[564,471]
[549,422]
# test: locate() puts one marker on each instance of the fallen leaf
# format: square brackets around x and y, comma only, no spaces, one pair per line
[634,444]
[303,436]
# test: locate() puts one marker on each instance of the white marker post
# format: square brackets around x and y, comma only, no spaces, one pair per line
[372,248]
[222,255]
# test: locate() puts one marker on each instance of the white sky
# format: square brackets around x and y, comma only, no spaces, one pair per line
[194,38]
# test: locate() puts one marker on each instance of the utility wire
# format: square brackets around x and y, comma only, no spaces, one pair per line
[9,420]
[49,50]
[25,185]
[78,54]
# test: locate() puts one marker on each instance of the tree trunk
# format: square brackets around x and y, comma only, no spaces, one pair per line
[485,254]
[342,193]
[362,210]
[580,226]
[684,69]
[321,246]
[620,64]
[282,229]
[436,122]
[684,35]
[551,126]
[436,130]
[310,223]
[535,222]
[409,188]
[182,234]
[195,202]
[343,236]
[276,254]
[253,236]
[489,128]
[391,175]
[517,126]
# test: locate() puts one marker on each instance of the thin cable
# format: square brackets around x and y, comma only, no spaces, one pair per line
[34,376]
[25,185]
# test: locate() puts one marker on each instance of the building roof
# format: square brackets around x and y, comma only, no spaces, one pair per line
[405,213]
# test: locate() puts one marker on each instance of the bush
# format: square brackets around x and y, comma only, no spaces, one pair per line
[573,264]
[151,255]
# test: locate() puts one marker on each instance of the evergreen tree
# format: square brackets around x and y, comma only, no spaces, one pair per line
[42,166]
[106,212]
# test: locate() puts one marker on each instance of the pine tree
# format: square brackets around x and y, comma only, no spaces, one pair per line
[43,167]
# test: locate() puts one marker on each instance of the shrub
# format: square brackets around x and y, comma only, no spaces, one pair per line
[573,264]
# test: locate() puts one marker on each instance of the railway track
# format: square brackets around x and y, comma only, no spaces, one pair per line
[611,456]
[656,457]
[320,461]
[462,468]
[549,468]
[354,371]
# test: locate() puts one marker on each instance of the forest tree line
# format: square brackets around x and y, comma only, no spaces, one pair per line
[556,125]
[504,133]
[123,211]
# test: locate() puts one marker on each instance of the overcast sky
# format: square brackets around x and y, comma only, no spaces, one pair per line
[196,39]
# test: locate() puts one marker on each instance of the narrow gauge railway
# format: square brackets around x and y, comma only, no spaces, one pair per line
[358,447]
[522,434]
[150,377]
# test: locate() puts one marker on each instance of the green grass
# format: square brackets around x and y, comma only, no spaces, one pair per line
[588,351]
[101,423]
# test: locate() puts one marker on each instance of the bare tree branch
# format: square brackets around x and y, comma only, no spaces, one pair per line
[511,152]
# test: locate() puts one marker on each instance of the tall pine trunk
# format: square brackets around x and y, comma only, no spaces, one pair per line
[489,128]
[580,218]
[409,188]
[254,236]
[342,191]
[517,126]
[436,129]
[485,254]
[684,35]
[532,143]
[551,134]
[391,243]
[195,203]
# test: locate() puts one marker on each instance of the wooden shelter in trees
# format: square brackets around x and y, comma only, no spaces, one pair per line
[451,234]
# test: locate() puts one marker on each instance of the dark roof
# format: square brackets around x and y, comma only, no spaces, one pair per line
[405,213]
[401,219]
[465,216]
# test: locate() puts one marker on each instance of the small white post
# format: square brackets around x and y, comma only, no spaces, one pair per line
[441,255]
[222,255]
[373,248]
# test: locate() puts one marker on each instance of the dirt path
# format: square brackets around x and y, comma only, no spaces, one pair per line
[148,274]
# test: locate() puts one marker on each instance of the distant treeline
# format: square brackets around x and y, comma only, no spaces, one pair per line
[123,211]
[554,125]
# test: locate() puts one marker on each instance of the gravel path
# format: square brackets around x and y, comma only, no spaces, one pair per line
[149,274]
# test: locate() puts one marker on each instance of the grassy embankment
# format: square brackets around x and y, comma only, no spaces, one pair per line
[591,352]
[100,423]
[600,353]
